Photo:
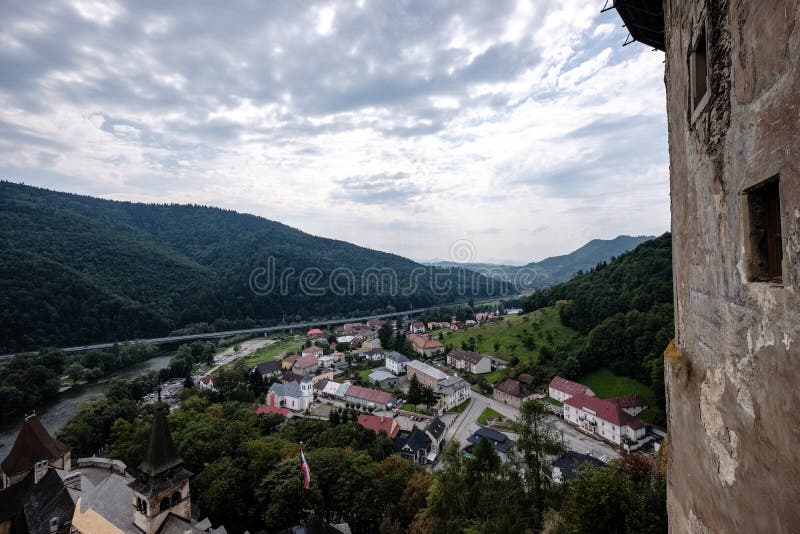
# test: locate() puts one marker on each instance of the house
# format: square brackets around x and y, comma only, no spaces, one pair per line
[435,430]
[375,355]
[335,390]
[485,317]
[306,364]
[561,389]
[262,409]
[433,325]
[380,400]
[571,464]
[395,362]
[315,332]
[288,362]
[456,325]
[414,446]
[452,391]
[325,360]
[602,418]
[497,363]
[502,444]
[417,327]
[633,404]
[296,396]
[206,383]
[426,374]
[470,322]
[425,346]
[379,423]
[468,361]
[367,334]
[290,376]
[513,392]
[313,351]
[346,339]
[337,356]
[384,379]
[268,369]
[375,323]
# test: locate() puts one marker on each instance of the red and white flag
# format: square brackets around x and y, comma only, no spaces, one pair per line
[305,470]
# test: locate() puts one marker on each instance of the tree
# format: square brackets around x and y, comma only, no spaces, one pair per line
[414,390]
[537,439]
[75,372]
[385,334]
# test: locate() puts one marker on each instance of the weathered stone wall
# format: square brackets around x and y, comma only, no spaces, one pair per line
[733,384]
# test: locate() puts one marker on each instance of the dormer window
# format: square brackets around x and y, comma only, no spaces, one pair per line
[698,73]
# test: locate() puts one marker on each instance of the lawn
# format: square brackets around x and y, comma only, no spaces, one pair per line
[606,384]
[552,401]
[273,352]
[488,413]
[364,374]
[506,338]
[461,407]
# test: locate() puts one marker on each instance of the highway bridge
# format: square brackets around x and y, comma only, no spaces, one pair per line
[249,331]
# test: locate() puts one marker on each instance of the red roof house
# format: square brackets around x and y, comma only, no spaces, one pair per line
[263,408]
[561,389]
[379,424]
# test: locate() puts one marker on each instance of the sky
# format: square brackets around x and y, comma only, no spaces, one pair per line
[495,131]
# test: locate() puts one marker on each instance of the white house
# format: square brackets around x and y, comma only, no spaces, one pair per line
[602,418]
[396,362]
[313,351]
[452,391]
[296,396]
[561,389]
[417,327]
[206,383]
[468,361]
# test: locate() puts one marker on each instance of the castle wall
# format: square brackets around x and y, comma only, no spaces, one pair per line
[733,380]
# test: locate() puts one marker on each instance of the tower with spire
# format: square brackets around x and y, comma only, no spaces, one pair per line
[161,486]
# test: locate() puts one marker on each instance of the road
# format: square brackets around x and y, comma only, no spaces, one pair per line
[248,331]
[573,439]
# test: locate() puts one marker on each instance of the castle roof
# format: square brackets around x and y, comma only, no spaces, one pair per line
[34,443]
[161,454]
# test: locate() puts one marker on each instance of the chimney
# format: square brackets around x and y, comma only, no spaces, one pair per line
[40,470]
[53,525]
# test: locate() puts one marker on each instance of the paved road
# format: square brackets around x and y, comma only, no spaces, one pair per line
[573,439]
[248,331]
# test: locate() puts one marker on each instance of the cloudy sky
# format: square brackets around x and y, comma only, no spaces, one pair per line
[522,127]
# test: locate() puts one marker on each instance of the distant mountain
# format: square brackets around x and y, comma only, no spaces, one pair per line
[556,269]
[76,269]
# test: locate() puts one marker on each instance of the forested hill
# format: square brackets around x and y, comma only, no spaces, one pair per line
[76,269]
[625,309]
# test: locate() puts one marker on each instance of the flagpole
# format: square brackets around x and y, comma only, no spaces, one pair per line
[302,488]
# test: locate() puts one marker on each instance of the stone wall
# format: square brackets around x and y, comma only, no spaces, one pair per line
[733,376]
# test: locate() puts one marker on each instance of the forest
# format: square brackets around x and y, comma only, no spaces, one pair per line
[77,269]
[624,308]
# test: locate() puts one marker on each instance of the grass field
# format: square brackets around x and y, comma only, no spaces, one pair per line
[364,375]
[461,407]
[488,413]
[275,351]
[505,338]
[606,384]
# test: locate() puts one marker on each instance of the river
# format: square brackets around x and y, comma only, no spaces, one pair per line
[56,414]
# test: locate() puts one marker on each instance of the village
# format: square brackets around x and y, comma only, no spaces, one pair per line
[427,399]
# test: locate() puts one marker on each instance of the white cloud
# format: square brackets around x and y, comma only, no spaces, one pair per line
[456,118]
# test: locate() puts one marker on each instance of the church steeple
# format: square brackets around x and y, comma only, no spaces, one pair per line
[161,454]
[162,484]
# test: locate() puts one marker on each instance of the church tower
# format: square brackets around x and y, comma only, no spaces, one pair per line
[161,486]
[307,391]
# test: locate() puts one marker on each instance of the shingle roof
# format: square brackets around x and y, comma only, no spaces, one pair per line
[515,388]
[629,401]
[396,356]
[370,395]
[500,441]
[570,463]
[436,428]
[309,360]
[379,424]
[465,355]
[34,443]
[312,350]
[567,386]
[379,376]
[415,441]
[605,410]
[161,453]
[49,499]
[268,368]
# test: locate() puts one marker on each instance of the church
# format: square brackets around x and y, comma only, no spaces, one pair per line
[43,492]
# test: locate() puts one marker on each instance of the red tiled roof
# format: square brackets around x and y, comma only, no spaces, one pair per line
[312,350]
[314,332]
[292,358]
[423,342]
[263,408]
[629,401]
[371,395]
[605,410]
[206,379]
[567,386]
[378,424]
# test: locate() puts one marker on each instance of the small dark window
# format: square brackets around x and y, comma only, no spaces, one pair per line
[698,70]
[165,504]
[176,498]
[766,240]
